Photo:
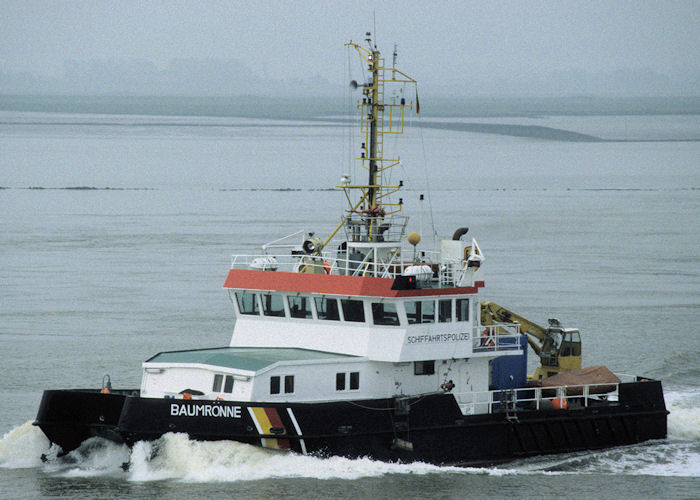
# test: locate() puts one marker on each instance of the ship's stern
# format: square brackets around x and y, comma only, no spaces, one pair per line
[69,417]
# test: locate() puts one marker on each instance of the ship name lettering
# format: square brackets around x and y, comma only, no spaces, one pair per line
[181,410]
[437,338]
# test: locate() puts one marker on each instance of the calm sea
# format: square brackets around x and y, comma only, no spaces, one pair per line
[117,230]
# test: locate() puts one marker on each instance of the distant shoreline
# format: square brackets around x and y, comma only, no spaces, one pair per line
[304,108]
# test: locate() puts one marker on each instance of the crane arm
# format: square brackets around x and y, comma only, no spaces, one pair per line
[492,313]
[559,349]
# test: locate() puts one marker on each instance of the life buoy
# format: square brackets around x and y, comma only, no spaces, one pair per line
[105,390]
[487,340]
[326,267]
[186,395]
[559,403]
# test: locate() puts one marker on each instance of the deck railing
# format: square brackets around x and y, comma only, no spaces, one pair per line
[361,227]
[498,337]
[560,397]
[391,266]
[325,263]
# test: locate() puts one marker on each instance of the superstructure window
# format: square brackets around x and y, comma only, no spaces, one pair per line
[300,307]
[288,384]
[353,310]
[384,313]
[424,367]
[445,310]
[228,385]
[218,380]
[248,302]
[420,311]
[354,381]
[339,381]
[273,305]
[462,309]
[274,385]
[327,308]
[341,378]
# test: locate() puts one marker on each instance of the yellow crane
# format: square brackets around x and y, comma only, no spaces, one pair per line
[559,348]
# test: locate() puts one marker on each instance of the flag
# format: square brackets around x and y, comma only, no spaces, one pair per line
[417,103]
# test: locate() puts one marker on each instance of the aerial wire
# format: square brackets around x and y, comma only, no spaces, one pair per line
[425,169]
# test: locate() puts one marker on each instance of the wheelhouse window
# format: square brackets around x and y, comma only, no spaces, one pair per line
[445,310]
[424,368]
[420,311]
[462,309]
[384,313]
[273,305]
[300,307]
[247,302]
[327,308]
[353,310]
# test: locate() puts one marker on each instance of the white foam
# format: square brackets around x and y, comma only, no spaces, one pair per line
[684,419]
[680,459]
[175,456]
[94,457]
[22,447]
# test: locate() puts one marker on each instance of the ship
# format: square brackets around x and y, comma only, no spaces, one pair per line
[364,344]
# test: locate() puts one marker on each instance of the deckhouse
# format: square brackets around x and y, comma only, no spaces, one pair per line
[350,331]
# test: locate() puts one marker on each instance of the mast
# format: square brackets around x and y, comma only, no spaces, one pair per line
[377,119]
[372,111]
[366,219]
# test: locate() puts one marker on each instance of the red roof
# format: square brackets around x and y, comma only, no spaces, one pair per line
[331,284]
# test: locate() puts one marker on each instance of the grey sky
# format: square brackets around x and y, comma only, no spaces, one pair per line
[456,43]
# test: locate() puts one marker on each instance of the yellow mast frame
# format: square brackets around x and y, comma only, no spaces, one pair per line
[377,119]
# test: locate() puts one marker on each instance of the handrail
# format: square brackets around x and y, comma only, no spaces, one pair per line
[392,266]
[498,337]
[326,262]
[512,400]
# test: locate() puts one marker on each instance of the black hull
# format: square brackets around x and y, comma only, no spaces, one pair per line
[430,429]
[69,417]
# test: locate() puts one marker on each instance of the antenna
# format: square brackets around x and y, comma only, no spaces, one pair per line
[420,205]
[393,64]
[374,21]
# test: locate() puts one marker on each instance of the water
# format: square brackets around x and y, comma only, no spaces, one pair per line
[601,235]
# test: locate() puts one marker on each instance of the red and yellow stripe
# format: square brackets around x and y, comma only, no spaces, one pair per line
[265,419]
